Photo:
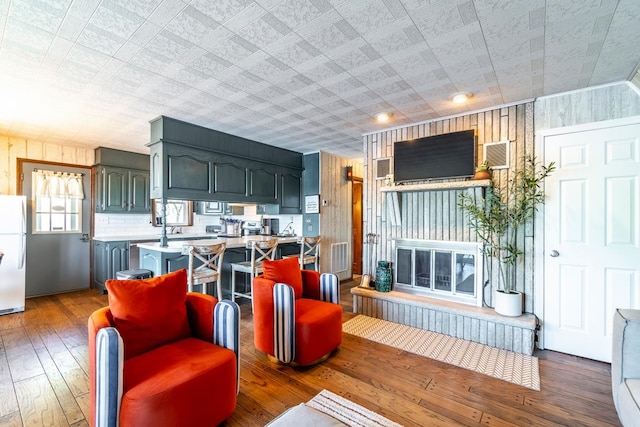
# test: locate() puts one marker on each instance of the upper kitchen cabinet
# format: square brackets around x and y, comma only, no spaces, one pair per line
[122,181]
[229,180]
[290,194]
[263,185]
[180,173]
[191,162]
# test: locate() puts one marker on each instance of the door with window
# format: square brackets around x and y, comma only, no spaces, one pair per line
[591,237]
[58,223]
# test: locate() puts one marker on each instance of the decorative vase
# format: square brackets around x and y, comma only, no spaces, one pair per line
[383,276]
[508,304]
[482,175]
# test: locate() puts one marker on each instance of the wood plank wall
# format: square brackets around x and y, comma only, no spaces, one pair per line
[335,218]
[587,106]
[434,215]
[13,148]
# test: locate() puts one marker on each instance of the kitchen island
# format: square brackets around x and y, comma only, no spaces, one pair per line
[164,259]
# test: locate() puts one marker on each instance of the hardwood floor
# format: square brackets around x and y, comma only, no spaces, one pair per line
[44,365]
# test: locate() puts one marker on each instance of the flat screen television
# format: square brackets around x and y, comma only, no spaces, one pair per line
[449,155]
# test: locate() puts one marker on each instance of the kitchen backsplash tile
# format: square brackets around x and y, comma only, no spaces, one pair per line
[136,225]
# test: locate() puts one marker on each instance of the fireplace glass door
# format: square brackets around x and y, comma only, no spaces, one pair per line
[445,270]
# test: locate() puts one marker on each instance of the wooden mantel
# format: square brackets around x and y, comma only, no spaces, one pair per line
[434,186]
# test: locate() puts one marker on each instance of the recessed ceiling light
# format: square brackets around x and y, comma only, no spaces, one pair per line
[461,97]
[383,117]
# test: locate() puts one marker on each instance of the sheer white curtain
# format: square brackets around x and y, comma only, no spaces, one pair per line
[58,184]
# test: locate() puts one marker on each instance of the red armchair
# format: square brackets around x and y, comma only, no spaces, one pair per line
[159,356]
[297,317]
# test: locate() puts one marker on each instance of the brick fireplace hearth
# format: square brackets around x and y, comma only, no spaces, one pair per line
[477,324]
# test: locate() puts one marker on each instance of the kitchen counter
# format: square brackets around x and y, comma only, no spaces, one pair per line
[232,243]
[153,237]
[161,260]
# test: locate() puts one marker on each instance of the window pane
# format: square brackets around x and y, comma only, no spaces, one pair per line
[423,269]
[58,205]
[73,205]
[442,271]
[42,222]
[57,214]
[403,266]
[42,204]
[178,212]
[73,222]
[57,222]
[465,273]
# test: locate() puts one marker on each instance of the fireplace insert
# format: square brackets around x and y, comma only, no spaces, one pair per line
[441,269]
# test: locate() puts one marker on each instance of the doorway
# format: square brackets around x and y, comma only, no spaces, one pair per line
[57,243]
[590,232]
[356,213]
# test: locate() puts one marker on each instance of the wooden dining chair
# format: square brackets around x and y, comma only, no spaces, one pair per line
[309,252]
[210,270]
[260,250]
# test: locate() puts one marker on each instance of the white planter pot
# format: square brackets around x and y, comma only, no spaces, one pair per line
[508,304]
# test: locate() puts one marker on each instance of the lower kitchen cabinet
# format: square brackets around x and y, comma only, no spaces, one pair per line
[242,279]
[165,262]
[162,262]
[288,249]
[108,259]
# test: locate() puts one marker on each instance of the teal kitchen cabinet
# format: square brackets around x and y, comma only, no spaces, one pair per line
[263,184]
[163,262]
[190,162]
[122,181]
[121,190]
[108,259]
[290,194]
[288,249]
[229,180]
[99,265]
[181,173]
[242,279]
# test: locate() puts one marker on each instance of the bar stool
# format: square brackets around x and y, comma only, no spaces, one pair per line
[209,271]
[309,252]
[260,250]
[134,274]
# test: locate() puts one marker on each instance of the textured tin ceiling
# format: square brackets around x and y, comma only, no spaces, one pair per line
[303,75]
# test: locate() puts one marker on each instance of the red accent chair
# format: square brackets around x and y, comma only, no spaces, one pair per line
[297,317]
[160,356]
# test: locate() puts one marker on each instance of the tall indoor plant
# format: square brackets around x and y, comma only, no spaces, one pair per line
[497,219]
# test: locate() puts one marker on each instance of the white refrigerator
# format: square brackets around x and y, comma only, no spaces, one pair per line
[13,224]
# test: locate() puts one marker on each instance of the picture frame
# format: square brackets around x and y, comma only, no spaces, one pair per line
[312,204]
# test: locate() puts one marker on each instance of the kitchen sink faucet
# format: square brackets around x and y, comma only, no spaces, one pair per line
[288,227]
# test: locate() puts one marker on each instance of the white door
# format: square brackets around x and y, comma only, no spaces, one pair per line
[591,237]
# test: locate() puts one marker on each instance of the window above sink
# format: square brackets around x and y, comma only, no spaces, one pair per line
[178,213]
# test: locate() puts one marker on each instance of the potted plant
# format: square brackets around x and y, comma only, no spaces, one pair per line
[483,171]
[497,220]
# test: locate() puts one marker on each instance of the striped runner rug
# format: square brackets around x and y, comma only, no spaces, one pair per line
[505,365]
[348,412]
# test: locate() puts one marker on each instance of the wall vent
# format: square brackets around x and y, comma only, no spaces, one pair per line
[339,257]
[497,153]
[383,167]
